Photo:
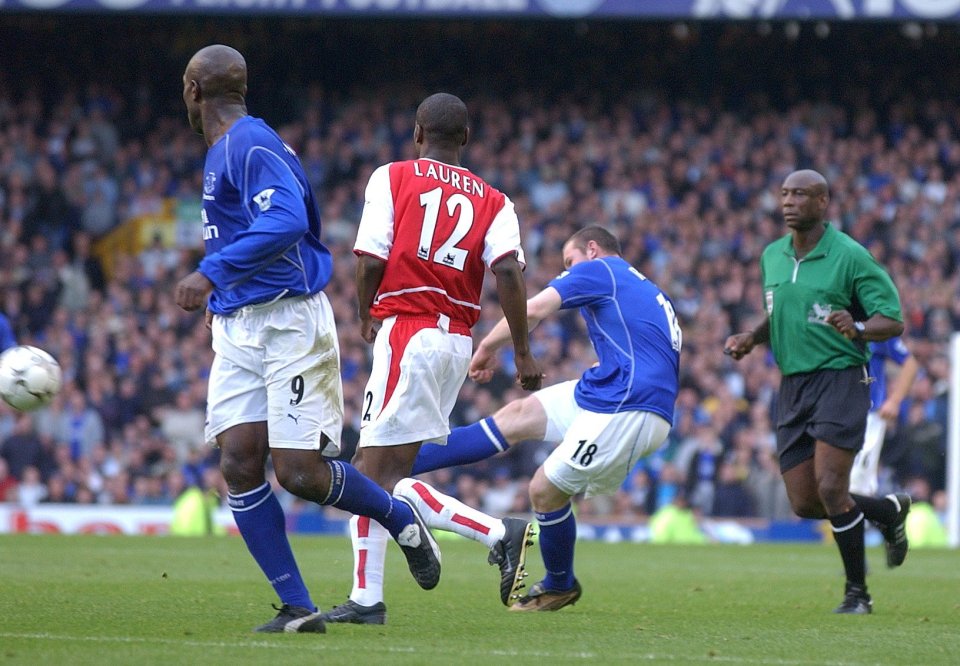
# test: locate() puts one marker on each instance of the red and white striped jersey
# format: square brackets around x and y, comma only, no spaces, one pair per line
[438,227]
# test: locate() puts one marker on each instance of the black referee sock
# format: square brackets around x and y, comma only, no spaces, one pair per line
[848,533]
[878,509]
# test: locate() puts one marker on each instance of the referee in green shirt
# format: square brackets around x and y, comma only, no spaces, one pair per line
[825,297]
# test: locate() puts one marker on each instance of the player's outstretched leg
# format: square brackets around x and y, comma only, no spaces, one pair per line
[507,539]
[465,445]
[352,491]
[420,549]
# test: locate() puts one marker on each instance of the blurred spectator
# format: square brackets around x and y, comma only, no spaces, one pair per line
[149,491]
[636,497]
[182,424]
[8,483]
[83,259]
[157,259]
[499,498]
[732,498]
[768,490]
[699,459]
[32,490]
[669,485]
[924,441]
[59,490]
[79,426]
[23,448]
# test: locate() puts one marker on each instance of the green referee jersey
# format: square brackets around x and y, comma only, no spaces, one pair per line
[799,294]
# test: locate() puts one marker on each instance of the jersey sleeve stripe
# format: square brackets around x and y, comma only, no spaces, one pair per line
[365,253]
[505,255]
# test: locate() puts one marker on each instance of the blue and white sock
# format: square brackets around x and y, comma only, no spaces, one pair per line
[465,445]
[353,492]
[558,534]
[259,518]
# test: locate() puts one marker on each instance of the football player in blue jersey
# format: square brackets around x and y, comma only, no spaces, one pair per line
[274,386]
[618,411]
[884,408]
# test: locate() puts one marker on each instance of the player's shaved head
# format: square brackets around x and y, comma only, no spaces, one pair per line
[808,179]
[214,88]
[221,72]
[443,118]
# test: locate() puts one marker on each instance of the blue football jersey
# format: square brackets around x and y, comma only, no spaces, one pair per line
[635,333]
[893,349]
[261,225]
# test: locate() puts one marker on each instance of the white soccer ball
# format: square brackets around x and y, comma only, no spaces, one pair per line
[29,377]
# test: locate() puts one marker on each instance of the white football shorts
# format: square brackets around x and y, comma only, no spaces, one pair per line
[280,363]
[866,466]
[596,451]
[419,366]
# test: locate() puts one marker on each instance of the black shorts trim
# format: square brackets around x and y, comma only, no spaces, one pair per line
[826,405]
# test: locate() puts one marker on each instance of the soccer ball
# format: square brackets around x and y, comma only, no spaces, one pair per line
[29,377]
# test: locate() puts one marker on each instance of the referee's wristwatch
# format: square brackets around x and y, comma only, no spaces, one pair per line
[861,328]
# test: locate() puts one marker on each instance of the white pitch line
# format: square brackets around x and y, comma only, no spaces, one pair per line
[333,647]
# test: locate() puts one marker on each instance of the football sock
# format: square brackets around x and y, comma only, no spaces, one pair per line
[259,518]
[465,445]
[369,540]
[878,509]
[446,513]
[848,533]
[558,534]
[353,492]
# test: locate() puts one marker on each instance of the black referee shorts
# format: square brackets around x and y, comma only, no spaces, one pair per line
[826,405]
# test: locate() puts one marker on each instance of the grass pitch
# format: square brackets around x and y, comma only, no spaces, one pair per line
[161,600]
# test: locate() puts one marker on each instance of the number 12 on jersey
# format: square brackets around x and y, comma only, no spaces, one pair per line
[448,254]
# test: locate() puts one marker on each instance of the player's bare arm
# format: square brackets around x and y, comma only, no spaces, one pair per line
[484,362]
[192,291]
[513,299]
[877,328]
[369,275]
[741,344]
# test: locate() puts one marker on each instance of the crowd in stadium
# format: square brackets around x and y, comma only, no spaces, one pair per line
[690,189]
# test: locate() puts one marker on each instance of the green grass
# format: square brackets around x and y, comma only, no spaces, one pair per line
[152,600]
